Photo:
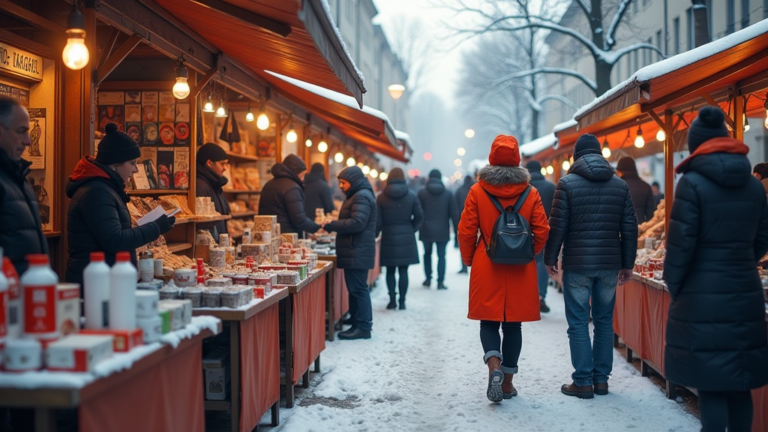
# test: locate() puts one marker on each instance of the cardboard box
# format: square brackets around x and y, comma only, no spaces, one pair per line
[68,308]
[78,353]
[216,374]
[124,340]
[186,310]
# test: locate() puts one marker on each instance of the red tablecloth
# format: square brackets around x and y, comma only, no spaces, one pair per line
[259,365]
[308,326]
[374,273]
[340,295]
[153,400]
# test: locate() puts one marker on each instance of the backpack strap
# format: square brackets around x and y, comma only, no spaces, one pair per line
[521,200]
[497,204]
[494,200]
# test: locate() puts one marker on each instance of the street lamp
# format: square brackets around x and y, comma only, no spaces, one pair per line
[460,151]
[396,91]
[469,133]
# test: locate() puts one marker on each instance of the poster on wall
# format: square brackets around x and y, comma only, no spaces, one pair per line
[148,161]
[181,168]
[36,179]
[111,114]
[21,95]
[36,150]
[165,160]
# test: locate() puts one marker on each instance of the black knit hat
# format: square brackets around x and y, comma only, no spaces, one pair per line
[318,169]
[294,163]
[117,147]
[586,144]
[211,152]
[435,174]
[396,174]
[626,164]
[710,123]
[533,166]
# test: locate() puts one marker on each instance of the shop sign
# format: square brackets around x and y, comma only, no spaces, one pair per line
[21,62]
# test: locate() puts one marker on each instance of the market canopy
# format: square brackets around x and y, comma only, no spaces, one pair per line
[295,38]
[405,140]
[532,148]
[366,125]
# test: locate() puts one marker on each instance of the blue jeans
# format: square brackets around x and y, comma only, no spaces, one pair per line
[541,271]
[592,361]
[359,298]
[440,260]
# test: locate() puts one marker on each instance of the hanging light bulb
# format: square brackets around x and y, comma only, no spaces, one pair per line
[765,123]
[249,117]
[322,147]
[543,171]
[606,148]
[383,176]
[350,161]
[308,142]
[661,135]
[461,151]
[639,140]
[366,169]
[181,88]
[550,170]
[566,165]
[338,157]
[291,136]
[208,107]
[220,112]
[746,123]
[457,162]
[374,173]
[263,121]
[75,53]
[360,165]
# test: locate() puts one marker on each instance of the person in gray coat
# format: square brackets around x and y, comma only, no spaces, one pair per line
[399,217]
[547,192]
[440,214]
[642,194]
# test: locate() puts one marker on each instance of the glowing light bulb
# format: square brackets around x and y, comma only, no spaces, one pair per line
[746,123]
[181,88]
[351,162]
[469,133]
[208,107]
[322,147]
[308,142]
[75,53]
[262,122]
[374,173]
[639,141]
[460,151]
[366,169]
[250,117]
[550,170]
[220,112]
[661,135]
[338,157]
[543,171]
[457,162]
[606,152]
[383,176]
[291,136]
[566,165]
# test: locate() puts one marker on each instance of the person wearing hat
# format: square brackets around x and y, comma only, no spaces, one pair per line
[593,217]
[98,219]
[642,193]
[716,338]
[283,196]
[501,295]
[356,247]
[317,193]
[547,192]
[212,161]
[440,214]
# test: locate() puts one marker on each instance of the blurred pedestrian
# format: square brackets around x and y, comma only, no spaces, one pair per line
[547,192]
[658,195]
[440,215]
[716,335]
[760,172]
[283,196]
[461,197]
[642,195]
[317,193]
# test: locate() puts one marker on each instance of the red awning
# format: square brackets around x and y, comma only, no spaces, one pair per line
[295,38]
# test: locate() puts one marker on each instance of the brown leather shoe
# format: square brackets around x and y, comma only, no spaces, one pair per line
[601,389]
[495,378]
[584,392]
[507,387]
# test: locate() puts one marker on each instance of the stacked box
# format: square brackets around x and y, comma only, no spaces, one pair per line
[216,374]
[288,277]
[78,353]
[186,310]
[123,340]
[263,223]
[291,238]
[261,252]
[261,236]
[302,269]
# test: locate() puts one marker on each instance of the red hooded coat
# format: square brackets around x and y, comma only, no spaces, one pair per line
[499,292]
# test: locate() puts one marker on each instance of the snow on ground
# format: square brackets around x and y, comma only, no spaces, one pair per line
[423,371]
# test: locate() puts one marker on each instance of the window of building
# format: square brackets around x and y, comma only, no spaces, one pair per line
[648,53]
[658,45]
[351,7]
[730,16]
[676,35]
[744,13]
[689,22]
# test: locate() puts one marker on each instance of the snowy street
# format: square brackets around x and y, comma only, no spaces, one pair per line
[423,371]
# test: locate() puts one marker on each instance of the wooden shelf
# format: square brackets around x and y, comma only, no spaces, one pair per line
[244,214]
[244,192]
[52,234]
[179,247]
[242,157]
[158,192]
[204,219]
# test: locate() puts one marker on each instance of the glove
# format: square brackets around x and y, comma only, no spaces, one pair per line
[165,223]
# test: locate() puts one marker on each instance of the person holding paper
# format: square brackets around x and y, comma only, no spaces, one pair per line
[98,217]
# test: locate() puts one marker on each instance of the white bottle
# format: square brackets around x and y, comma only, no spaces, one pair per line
[38,286]
[3,306]
[122,293]
[97,292]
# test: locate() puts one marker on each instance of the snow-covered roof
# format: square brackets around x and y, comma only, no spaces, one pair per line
[402,136]
[538,145]
[564,125]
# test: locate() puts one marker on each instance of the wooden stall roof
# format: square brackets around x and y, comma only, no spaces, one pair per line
[364,125]
[737,61]
[296,38]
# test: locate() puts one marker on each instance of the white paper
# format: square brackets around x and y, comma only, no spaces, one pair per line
[155,215]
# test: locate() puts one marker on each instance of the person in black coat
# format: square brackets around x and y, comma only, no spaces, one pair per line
[356,247]
[212,161]
[317,193]
[399,217]
[21,233]
[547,192]
[642,194]
[593,217]
[461,198]
[440,214]
[98,219]
[716,334]
[283,196]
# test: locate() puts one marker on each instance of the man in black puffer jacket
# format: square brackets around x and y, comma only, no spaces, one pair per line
[547,192]
[461,198]
[317,193]
[21,233]
[718,232]
[283,196]
[356,247]
[440,214]
[592,214]
[212,161]
[642,194]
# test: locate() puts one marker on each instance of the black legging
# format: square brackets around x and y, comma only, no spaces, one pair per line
[510,348]
[403,285]
[719,410]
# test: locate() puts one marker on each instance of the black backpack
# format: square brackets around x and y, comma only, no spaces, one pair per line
[511,239]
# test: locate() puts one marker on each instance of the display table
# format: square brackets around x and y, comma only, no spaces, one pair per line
[304,327]
[336,297]
[640,320]
[154,387]
[254,361]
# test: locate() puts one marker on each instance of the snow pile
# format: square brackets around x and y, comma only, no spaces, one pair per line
[564,125]
[118,362]
[538,145]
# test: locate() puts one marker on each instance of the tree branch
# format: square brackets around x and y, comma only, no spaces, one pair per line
[564,100]
[610,39]
[550,70]
[613,57]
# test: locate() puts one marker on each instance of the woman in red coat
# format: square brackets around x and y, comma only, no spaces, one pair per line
[501,295]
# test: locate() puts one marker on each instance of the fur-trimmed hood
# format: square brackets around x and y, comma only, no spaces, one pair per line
[504,181]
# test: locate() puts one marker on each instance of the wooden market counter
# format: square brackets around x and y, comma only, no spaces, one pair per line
[336,297]
[640,320]
[162,390]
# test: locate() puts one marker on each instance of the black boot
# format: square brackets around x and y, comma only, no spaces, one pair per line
[441,286]
[402,304]
[355,333]
[426,283]
[392,303]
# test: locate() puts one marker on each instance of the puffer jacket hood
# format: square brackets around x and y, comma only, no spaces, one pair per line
[468,181]
[88,169]
[504,181]
[396,188]
[722,160]
[317,174]
[592,167]
[281,171]
[435,186]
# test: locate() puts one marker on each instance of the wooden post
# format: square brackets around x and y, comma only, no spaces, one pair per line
[738,117]
[278,139]
[669,168]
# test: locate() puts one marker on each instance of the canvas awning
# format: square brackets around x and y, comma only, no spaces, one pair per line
[295,38]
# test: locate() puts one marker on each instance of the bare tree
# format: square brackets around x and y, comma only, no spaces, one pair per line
[413,44]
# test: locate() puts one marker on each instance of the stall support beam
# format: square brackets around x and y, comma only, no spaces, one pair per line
[109,47]
[738,120]
[711,101]
[669,167]
[114,60]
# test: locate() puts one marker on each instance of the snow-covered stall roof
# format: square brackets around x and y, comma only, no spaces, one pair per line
[405,138]
[538,145]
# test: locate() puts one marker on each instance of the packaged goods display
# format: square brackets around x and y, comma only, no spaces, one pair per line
[146,304]
[216,374]
[78,353]
[290,238]
[194,295]
[654,228]
[122,340]
[22,355]
[67,308]
[146,266]
[263,223]
[184,309]
[96,292]
[184,277]
[288,277]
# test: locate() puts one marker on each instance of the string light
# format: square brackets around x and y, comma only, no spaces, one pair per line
[543,171]
[566,165]
[351,161]
[606,148]
[639,140]
[383,176]
[457,162]
[550,170]
[263,121]
[366,169]
[460,151]
[75,53]
[338,157]
[181,88]
[249,117]
[220,111]
[374,173]
[322,147]
[661,135]
[291,136]
[308,142]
